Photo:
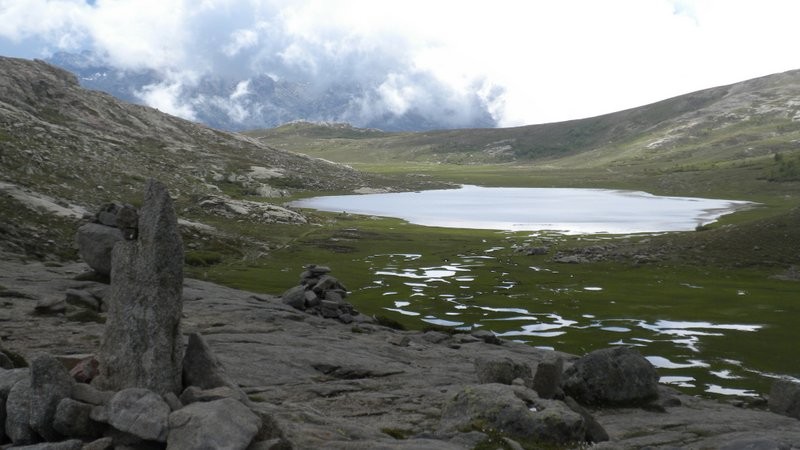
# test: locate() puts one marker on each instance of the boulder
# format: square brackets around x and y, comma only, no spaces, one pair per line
[140,412]
[502,370]
[72,419]
[295,297]
[95,243]
[203,370]
[82,299]
[50,383]
[547,379]
[5,361]
[142,344]
[784,398]
[17,423]
[224,424]
[616,376]
[515,412]
[89,394]
[487,336]
[8,378]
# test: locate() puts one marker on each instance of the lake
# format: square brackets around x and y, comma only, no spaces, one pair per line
[708,331]
[567,210]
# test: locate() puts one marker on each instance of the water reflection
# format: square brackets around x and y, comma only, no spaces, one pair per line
[471,291]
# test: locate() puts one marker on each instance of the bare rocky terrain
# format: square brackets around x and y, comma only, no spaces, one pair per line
[330,385]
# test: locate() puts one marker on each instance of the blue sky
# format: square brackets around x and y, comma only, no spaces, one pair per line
[528,61]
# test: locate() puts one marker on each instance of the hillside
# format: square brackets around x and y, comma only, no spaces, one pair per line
[67,150]
[740,122]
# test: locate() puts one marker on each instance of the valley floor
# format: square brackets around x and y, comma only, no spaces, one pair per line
[395,382]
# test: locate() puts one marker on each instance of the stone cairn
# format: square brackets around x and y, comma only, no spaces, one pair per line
[146,391]
[114,223]
[321,294]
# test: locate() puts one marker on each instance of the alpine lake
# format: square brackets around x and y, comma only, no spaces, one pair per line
[447,263]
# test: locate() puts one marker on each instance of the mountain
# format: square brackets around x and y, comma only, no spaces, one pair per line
[238,102]
[65,150]
[741,122]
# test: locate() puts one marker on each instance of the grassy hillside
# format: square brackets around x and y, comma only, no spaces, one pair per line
[750,129]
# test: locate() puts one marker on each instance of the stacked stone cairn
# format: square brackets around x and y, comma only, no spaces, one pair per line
[321,294]
[143,390]
[114,222]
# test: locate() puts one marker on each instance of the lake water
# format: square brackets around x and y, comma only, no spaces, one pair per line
[568,210]
[706,331]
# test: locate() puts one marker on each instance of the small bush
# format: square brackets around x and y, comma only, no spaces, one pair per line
[390,323]
[202,258]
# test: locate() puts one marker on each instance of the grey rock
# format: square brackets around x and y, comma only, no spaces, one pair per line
[72,444]
[5,361]
[140,412]
[326,283]
[89,394]
[487,336]
[107,215]
[18,404]
[784,398]
[173,401]
[329,309]
[50,305]
[50,383]
[613,376]
[72,419]
[502,370]
[547,379]
[201,368]
[435,337]
[515,412]
[755,444]
[194,394]
[8,378]
[105,443]
[295,297]
[221,424]
[82,299]
[594,431]
[311,299]
[95,243]
[142,344]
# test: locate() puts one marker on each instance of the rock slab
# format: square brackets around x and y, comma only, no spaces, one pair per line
[224,424]
[142,344]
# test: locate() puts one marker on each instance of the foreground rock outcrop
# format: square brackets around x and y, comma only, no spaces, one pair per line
[142,346]
[261,373]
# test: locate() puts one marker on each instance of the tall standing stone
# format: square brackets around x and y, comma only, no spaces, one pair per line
[142,345]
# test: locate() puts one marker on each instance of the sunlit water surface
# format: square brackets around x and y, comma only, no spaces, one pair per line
[476,290]
[473,291]
[568,210]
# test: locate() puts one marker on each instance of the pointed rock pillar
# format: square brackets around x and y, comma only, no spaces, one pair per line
[142,346]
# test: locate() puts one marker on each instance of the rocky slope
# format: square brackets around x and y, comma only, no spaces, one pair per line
[738,122]
[65,150]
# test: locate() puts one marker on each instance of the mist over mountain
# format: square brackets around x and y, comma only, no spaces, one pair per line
[246,100]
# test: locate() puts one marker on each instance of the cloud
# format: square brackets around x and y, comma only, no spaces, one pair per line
[463,62]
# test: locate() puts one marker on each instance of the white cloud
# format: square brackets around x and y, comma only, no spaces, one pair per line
[523,61]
